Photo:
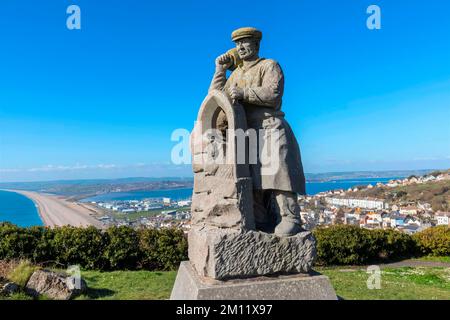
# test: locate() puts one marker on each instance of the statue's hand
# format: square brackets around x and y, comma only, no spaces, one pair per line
[236,93]
[223,62]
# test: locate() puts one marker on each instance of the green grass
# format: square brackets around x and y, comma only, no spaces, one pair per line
[423,283]
[436,259]
[396,284]
[128,285]
[22,272]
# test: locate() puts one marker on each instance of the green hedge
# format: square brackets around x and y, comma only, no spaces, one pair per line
[117,248]
[343,244]
[120,248]
[434,241]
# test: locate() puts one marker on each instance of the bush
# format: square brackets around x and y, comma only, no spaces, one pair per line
[434,241]
[17,243]
[162,249]
[341,245]
[71,245]
[122,249]
[117,248]
[390,245]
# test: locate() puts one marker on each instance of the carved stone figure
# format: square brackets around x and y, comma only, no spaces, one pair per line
[258,85]
[247,175]
[245,214]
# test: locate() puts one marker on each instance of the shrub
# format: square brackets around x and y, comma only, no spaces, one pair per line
[117,248]
[340,245]
[392,245]
[162,249]
[434,241]
[16,242]
[72,245]
[122,249]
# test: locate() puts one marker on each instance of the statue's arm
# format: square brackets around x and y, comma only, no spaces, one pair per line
[219,80]
[270,92]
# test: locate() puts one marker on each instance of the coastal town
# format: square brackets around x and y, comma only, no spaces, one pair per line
[152,213]
[354,206]
[395,211]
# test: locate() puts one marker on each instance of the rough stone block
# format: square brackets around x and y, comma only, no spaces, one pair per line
[190,286]
[226,254]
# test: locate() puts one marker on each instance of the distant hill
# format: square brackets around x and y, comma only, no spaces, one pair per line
[436,193]
[84,188]
[328,176]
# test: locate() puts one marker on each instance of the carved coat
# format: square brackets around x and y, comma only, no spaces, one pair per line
[263,84]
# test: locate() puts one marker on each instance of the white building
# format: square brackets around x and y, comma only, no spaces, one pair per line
[358,203]
[184,203]
[443,218]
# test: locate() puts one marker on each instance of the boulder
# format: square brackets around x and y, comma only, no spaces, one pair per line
[9,288]
[54,285]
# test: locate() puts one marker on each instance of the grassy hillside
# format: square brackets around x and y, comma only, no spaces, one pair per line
[420,283]
[435,193]
[399,283]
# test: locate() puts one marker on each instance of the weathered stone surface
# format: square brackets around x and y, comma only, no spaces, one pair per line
[189,286]
[226,205]
[53,285]
[225,254]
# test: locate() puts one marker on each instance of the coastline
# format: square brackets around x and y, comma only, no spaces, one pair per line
[56,211]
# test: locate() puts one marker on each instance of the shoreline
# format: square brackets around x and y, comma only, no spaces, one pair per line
[56,211]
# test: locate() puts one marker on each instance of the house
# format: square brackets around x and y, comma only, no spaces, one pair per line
[397,221]
[443,218]
[410,210]
[410,220]
[386,221]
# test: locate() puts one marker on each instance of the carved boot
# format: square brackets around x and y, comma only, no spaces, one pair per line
[288,213]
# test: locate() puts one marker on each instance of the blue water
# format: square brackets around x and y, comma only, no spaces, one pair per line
[175,194]
[313,188]
[18,209]
[21,211]
[181,194]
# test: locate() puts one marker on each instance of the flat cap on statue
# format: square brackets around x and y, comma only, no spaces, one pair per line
[247,32]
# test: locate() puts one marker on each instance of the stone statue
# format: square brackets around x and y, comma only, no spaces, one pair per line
[258,85]
[247,174]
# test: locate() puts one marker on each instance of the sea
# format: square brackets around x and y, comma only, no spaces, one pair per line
[21,211]
[312,188]
[18,209]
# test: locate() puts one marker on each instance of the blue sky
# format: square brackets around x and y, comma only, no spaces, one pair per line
[102,102]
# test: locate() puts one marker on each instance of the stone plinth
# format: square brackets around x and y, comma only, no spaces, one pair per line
[226,254]
[190,286]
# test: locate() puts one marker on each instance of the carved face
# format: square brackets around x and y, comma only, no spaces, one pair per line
[247,48]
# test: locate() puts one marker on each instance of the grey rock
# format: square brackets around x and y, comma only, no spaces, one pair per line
[226,254]
[54,285]
[190,286]
[10,288]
